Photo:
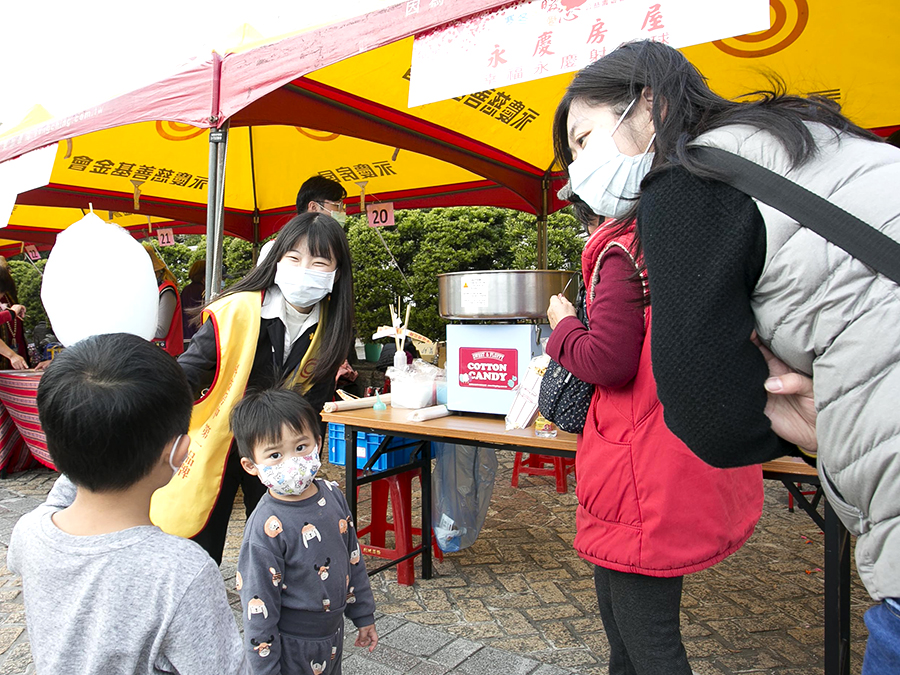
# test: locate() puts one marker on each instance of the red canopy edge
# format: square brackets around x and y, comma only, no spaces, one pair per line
[475,193]
[237,223]
[884,132]
[185,97]
[250,75]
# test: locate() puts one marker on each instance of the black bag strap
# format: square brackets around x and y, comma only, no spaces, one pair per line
[862,241]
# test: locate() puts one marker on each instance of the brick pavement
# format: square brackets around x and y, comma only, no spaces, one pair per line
[520,601]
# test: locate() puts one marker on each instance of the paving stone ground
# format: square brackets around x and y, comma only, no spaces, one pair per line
[521,602]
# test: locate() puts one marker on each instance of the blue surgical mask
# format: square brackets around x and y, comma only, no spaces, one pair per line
[607,180]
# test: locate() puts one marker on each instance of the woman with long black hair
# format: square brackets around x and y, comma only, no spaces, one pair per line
[288,323]
[723,267]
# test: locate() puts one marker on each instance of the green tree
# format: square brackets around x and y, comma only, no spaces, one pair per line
[427,243]
[28,288]
[237,257]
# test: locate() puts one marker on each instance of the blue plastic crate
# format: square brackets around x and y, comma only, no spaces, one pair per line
[366,445]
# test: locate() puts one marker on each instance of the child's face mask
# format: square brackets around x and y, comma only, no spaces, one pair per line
[172,455]
[291,476]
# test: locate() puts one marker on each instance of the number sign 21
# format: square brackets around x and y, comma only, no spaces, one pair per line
[165,236]
[380,215]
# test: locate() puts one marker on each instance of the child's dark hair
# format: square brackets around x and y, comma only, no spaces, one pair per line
[110,405]
[261,415]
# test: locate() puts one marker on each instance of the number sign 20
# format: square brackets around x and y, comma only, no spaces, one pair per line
[380,215]
[165,236]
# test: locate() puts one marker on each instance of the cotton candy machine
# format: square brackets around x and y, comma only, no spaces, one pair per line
[500,318]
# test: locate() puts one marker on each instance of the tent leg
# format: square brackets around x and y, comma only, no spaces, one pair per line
[255,246]
[215,211]
[542,238]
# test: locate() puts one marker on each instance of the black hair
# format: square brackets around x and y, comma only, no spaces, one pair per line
[8,285]
[110,405]
[325,238]
[319,189]
[259,418]
[583,213]
[684,106]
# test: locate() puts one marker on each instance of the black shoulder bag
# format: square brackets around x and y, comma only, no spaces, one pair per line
[563,398]
[862,241]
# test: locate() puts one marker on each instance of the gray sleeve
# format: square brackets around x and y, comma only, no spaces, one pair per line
[62,494]
[168,301]
[261,606]
[203,638]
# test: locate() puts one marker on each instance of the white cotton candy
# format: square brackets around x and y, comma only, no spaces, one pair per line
[99,280]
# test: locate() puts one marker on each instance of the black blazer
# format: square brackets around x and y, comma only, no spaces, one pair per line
[199,361]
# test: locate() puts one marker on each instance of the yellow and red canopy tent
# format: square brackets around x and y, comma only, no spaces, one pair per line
[349,119]
[188,102]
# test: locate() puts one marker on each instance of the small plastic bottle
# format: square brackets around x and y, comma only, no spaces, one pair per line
[544,427]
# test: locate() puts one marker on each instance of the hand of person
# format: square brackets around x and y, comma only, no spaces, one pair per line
[559,309]
[43,364]
[18,363]
[19,310]
[367,637]
[791,406]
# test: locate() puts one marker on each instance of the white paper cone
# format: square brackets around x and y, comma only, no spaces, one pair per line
[99,280]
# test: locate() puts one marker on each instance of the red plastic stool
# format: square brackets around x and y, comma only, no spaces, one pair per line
[791,496]
[560,467]
[399,489]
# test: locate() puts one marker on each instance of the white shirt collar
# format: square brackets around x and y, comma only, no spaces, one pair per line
[273,307]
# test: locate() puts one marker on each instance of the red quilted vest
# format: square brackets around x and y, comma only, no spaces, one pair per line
[646,503]
[173,342]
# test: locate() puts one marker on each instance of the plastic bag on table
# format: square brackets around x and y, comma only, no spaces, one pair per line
[525,405]
[414,386]
[462,485]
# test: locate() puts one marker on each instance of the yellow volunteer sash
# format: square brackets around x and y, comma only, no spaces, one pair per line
[184,505]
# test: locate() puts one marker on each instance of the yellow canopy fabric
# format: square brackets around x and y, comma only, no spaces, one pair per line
[40,224]
[503,134]
[849,52]
[160,168]
[350,121]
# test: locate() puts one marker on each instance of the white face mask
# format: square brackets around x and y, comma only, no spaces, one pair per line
[604,178]
[172,455]
[292,476]
[301,286]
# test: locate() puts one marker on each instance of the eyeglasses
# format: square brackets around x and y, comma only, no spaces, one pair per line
[336,206]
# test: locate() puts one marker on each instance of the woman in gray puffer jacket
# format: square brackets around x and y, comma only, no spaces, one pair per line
[723,266]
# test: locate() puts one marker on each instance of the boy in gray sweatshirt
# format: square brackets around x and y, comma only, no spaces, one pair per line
[105,590]
[300,568]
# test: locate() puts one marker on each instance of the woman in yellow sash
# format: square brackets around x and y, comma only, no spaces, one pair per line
[288,323]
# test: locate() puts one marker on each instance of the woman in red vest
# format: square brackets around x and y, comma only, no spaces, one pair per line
[13,349]
[649,511]
[169,326]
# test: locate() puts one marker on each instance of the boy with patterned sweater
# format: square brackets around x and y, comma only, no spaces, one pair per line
[300,568]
